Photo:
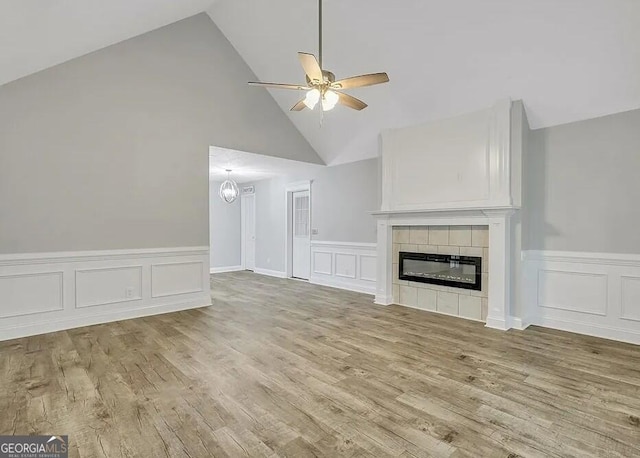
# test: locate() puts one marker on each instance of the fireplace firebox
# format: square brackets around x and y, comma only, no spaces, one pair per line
[441,269]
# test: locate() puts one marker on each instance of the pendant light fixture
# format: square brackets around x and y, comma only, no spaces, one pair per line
[229,189]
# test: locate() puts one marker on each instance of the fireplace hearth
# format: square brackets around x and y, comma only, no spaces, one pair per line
[441,269]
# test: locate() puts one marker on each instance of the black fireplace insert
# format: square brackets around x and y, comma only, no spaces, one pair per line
[441,269]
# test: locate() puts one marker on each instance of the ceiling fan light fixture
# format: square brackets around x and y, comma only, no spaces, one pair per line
[312,98]
[329,100]
[322,85]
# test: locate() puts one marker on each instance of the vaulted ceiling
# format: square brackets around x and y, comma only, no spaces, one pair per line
[567,60]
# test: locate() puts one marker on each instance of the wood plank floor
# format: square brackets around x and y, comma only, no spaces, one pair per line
[283,368]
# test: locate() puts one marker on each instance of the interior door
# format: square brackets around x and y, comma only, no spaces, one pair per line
[249,232]
[301,250]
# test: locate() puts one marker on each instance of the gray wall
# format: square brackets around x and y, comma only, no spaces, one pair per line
[341,198]
[582,186]
[110,150]
[224,229]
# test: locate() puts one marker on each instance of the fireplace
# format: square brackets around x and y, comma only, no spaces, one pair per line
[441,269]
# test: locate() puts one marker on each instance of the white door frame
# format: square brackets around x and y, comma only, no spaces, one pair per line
[243,223]
[288,245]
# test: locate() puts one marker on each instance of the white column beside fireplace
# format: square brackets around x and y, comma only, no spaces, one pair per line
[464,171]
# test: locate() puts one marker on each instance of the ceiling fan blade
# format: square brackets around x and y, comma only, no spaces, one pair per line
[361,81]
[296,87]
[350,101]
[299,106]
[311,67]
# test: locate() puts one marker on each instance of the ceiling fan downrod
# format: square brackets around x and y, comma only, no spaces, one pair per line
[320,33]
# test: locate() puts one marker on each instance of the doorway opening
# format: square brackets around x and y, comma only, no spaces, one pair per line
[248,231]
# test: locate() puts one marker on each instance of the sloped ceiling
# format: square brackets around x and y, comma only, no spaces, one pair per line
[567,60]
[37,34]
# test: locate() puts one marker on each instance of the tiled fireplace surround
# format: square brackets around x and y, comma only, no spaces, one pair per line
[493,230]
[451,240]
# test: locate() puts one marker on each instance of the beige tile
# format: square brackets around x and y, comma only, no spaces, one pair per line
[432,287]
[396,294]
[485,285]
[439,235]
[460,235]
[394,274]
[480,236]
[409,296]
[485,260]
[401,235]
[485,308]
[427,299]
[395,256]
[419,235]
[447,303]
[447,249]
[408,247]
[470,307]
[427,249]
[471,251]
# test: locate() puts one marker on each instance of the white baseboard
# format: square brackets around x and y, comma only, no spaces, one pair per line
[595,330]
[343,265]
[270,273]
[46,292]
[596,294]
[63,324]
[220,270]
[520,323]
[341,284]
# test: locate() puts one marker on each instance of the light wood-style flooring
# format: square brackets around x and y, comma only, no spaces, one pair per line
[284,368]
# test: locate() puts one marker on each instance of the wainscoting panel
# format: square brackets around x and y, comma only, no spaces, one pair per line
[170,279]
[322,262]
[45,292]
[368,267]
[630,298]
[573,291]
[588,293]
[111,285]
[344,265]
[29,293]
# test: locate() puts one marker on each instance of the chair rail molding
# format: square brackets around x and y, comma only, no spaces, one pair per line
[46,292]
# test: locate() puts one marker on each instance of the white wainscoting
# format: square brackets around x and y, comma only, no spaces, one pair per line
[344,265]
[589,293]
[45,292]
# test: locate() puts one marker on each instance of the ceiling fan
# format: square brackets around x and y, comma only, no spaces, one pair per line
[322,85]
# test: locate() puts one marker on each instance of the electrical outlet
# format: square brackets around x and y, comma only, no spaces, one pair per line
[314,231]
[129,292]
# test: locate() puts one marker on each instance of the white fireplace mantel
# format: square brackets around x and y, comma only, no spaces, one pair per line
[501,254]
[462,171]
